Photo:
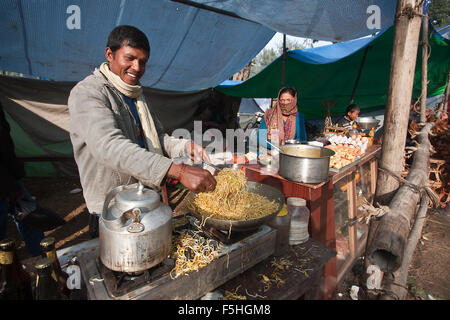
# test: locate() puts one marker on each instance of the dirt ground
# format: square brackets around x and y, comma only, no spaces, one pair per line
[428,274]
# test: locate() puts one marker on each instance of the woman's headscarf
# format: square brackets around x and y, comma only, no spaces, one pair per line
[274,119]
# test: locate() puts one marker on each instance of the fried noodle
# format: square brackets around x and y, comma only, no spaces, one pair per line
[231,201]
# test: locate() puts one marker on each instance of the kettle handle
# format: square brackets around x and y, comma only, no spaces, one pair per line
[120,221]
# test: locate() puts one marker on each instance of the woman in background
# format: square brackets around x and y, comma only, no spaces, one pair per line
[285,118]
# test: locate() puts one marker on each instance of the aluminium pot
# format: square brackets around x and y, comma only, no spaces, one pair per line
[305,163]
[368,123]
[135,229]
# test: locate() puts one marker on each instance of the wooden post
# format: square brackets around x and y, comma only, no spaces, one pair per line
[386,250]
[443,106]
[423,99]
[352,212]
[396,285]
[283,62]
[359,74]
[398,101]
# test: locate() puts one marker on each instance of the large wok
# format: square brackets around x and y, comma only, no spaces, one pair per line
[243,225]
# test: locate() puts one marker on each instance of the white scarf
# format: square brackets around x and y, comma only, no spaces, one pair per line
[136,92]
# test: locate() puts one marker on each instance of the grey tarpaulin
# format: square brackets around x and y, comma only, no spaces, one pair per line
[331,20]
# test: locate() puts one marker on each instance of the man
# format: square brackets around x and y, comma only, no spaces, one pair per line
[348,121]
[115,134]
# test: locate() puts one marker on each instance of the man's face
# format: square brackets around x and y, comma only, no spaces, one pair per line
[353,115]
[128,63]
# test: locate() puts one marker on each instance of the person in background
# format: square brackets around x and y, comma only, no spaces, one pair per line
[117,138]
[285,118]
[12,190]
[349,120]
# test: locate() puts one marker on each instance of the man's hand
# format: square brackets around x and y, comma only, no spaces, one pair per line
[193,178]
[196,152]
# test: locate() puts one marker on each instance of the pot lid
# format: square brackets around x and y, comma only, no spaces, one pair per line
[139,197]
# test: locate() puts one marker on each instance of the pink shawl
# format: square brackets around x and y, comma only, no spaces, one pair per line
[274,120]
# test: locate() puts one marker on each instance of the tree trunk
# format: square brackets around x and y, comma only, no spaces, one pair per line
[443,106]
[423,100]
[244,74]
[396,286]
[398,102]
[386,250]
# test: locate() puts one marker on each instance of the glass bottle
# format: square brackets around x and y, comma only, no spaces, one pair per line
[49,251]
[298,232]
[47,288]
[15,283]
[281,222]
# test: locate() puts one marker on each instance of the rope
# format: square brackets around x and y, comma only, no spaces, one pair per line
[370,212]
[420,189]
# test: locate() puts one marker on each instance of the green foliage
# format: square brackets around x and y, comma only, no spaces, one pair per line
[439,12]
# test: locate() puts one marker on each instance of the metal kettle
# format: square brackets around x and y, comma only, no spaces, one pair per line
[135,229]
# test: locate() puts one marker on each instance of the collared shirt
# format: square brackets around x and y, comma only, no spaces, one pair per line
[130,102]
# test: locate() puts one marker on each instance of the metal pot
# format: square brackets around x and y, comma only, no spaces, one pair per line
[305,163]
[292,141]
[368,123]
[135,232]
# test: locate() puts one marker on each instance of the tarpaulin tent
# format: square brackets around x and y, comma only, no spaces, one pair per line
[315,19]
[64,40]
[191,49]
[329,73]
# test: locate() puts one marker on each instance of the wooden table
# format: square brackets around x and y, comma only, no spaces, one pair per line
[320,201]
[300,279]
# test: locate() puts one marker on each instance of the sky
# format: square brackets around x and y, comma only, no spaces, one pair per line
[278,39]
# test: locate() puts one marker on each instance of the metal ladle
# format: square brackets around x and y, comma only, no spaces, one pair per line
[274,146]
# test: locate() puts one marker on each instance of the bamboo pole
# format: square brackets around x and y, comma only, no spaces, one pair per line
[404,54]
[423,100]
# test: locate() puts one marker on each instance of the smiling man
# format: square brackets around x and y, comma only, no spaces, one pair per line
[117,138]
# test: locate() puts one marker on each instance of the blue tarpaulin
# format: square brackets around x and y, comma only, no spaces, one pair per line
[331,20]
[64,40]
[330,53]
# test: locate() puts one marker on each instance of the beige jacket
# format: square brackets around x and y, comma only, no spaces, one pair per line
[104,140]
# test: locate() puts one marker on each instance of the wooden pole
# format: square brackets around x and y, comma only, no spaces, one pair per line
[444,102]
[359,74]
[398,101]
[386,250]
[396,285]
[283,62]
[423,100]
